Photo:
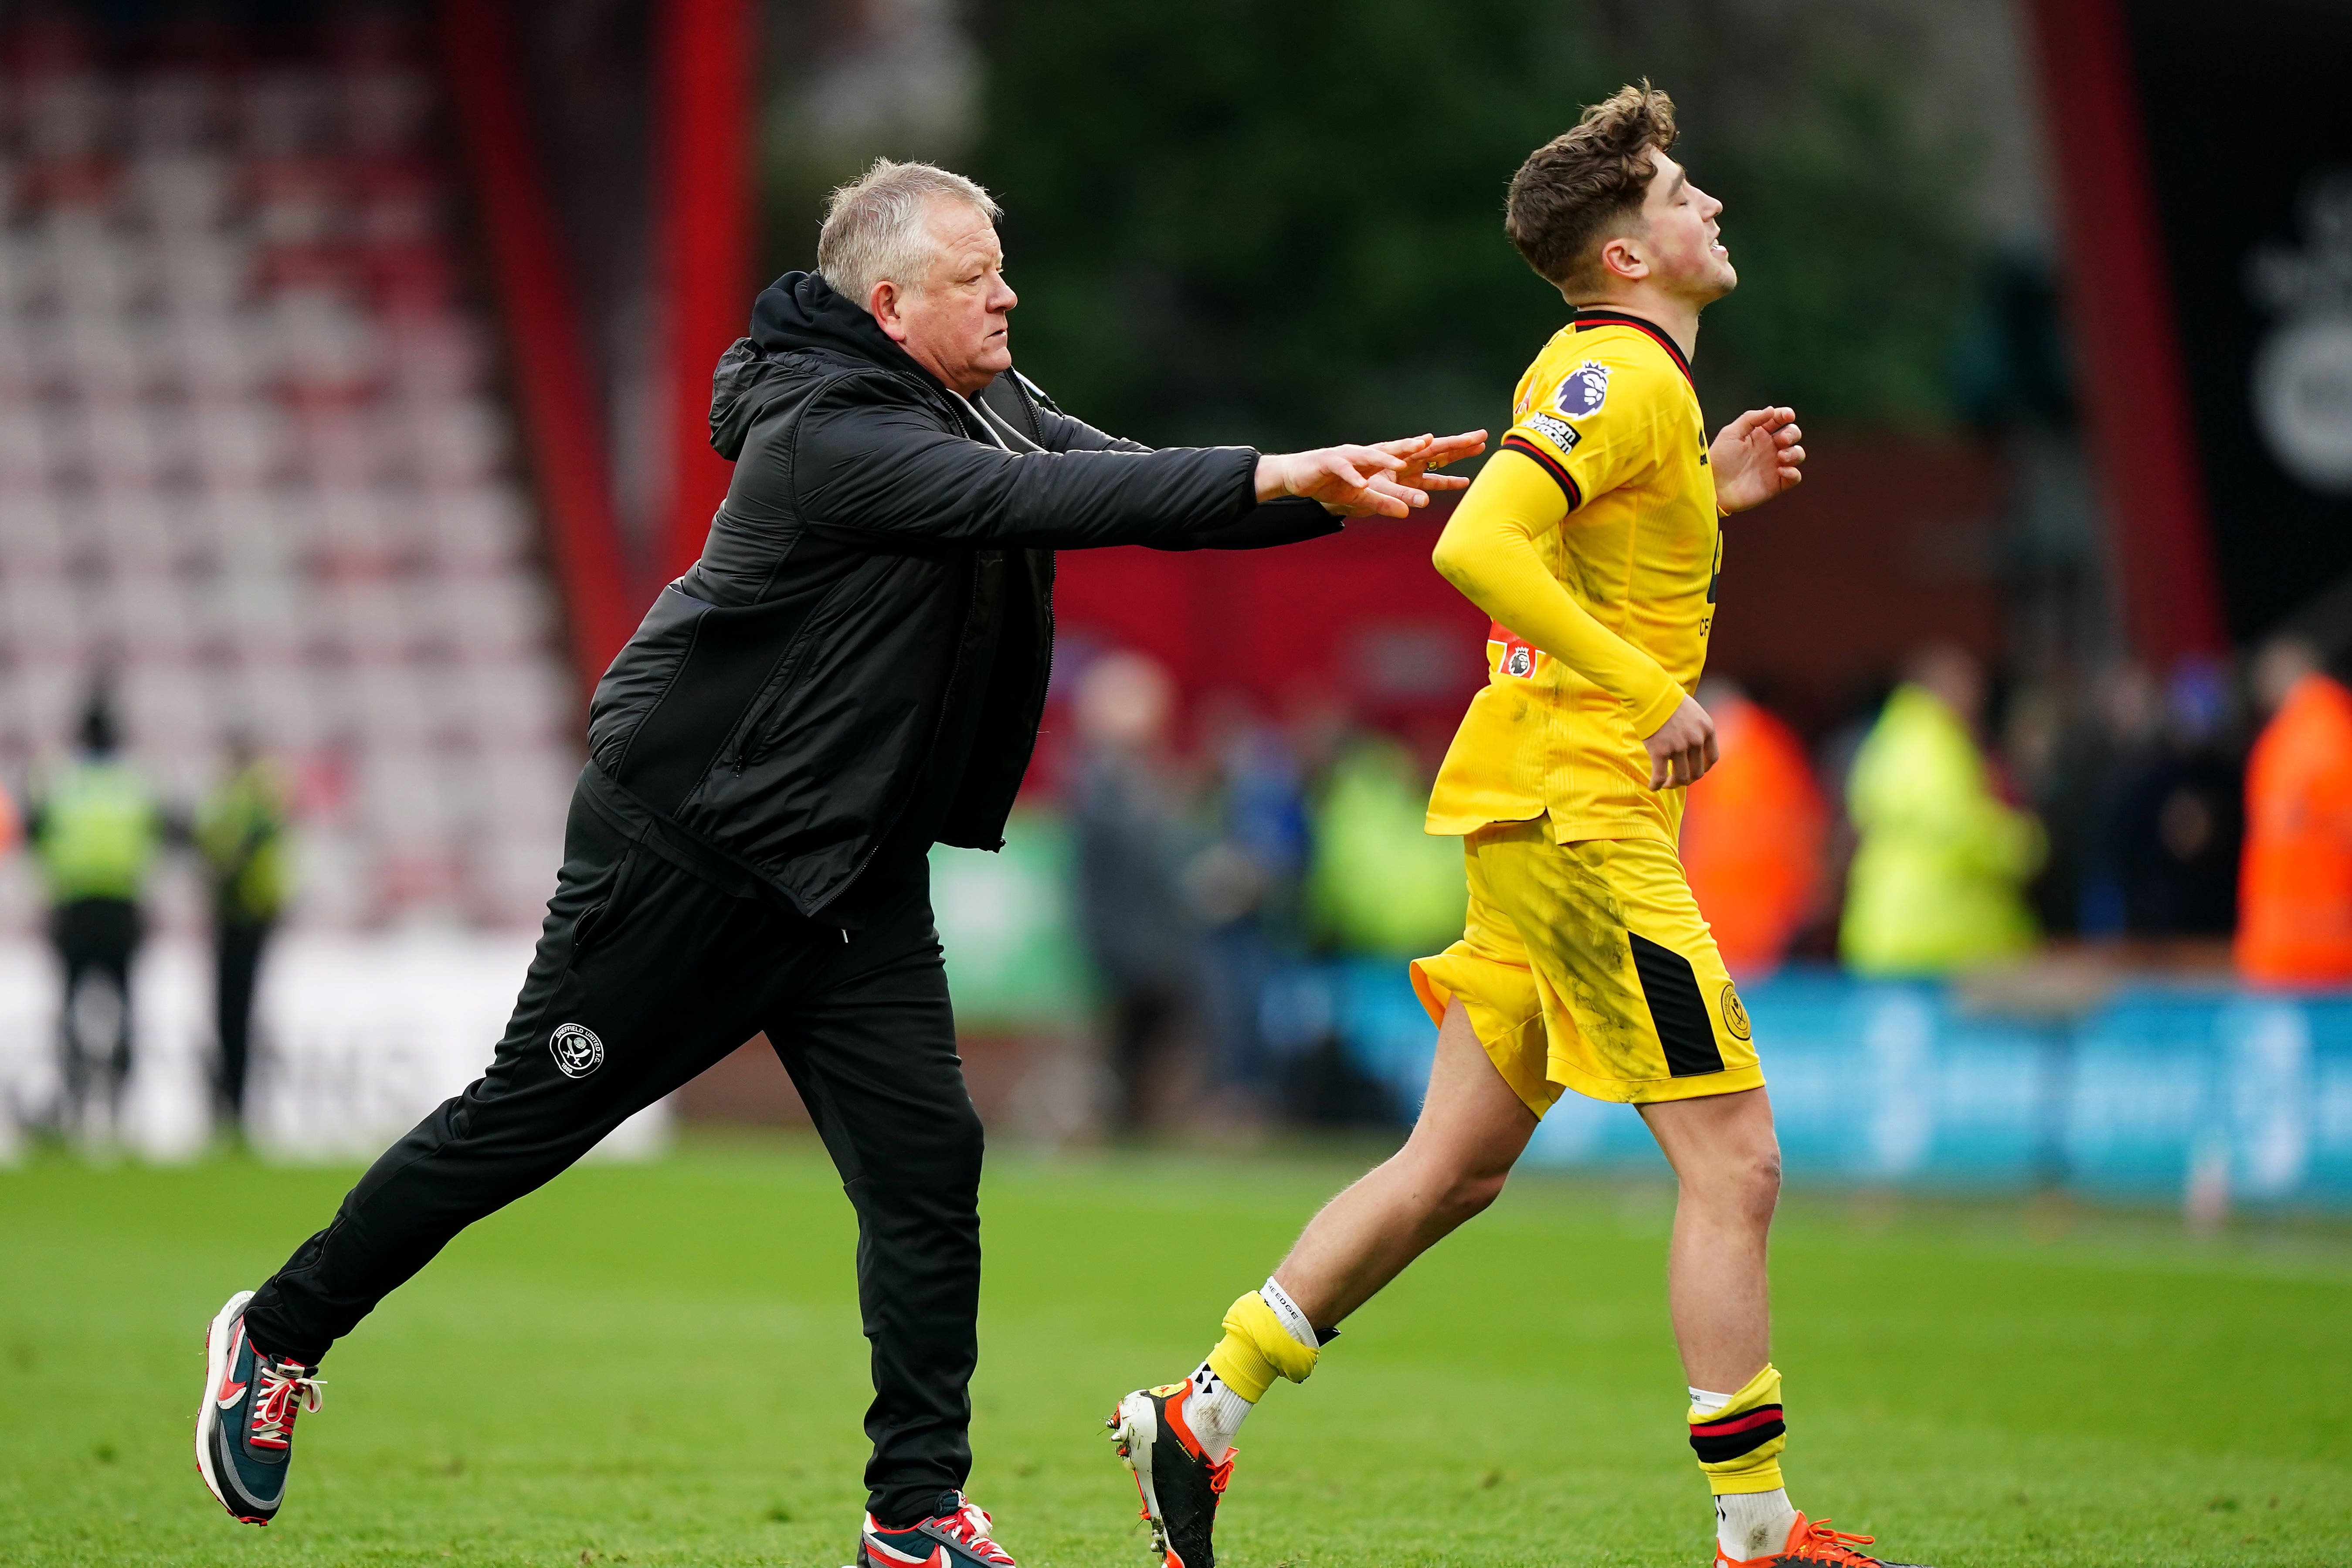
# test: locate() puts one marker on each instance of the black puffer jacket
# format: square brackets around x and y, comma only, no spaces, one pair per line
[771,716]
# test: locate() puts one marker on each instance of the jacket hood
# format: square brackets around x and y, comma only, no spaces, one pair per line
[797,313]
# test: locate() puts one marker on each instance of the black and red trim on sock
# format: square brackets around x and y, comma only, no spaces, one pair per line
[1729,1438]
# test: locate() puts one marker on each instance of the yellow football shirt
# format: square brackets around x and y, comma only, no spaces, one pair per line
[1602,487]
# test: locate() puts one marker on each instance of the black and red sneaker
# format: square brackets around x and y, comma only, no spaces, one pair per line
[244,1427]
[954,1536]
[1180,1486]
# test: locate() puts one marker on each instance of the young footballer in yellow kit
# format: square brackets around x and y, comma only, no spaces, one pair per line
[1593,538]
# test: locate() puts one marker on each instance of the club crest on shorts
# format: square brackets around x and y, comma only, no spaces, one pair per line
[1734,1013]
[577,1050]
[1583,391]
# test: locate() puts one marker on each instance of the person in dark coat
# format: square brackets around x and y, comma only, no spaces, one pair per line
[852,671]
[241,833]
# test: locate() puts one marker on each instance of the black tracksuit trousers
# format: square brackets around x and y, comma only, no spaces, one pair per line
[646,975]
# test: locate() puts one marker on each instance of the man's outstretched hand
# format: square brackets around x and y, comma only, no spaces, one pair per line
[1683,748]
[1757,457]
[1391,479]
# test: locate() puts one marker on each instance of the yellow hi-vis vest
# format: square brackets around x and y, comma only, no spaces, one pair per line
[97,833]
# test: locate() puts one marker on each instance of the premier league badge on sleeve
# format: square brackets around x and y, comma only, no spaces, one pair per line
[1584,391]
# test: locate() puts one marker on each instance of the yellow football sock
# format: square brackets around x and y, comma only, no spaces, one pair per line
[1739,1445]
[1257,1349]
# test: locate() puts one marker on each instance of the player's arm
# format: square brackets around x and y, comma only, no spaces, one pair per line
[1488,552]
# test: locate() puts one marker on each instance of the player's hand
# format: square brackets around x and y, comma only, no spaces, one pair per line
[1757,457]
[1423,453]
[1352,480]
[1683,748]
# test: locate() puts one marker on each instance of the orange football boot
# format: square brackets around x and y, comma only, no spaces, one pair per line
[1813,1544]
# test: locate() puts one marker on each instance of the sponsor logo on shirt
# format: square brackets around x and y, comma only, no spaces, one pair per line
[1558,432]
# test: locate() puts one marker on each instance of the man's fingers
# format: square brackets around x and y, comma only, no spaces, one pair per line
[1452,448]
[1443,482]
[1792,456]
[1401,489]
[1787,435]
[1378,502]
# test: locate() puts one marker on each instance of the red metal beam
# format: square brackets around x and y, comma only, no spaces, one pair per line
[704,105]
[2119,295]
[530,277]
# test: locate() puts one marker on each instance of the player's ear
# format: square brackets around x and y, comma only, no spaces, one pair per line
[1621,257]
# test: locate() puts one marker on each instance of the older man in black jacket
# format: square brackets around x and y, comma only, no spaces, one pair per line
[852,672]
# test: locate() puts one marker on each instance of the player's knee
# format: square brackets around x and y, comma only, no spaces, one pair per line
[1758,1182]
[1745,1182]
[1471,1193]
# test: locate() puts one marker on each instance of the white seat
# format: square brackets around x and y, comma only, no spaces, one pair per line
[166,705]
[239,445]
[458,440]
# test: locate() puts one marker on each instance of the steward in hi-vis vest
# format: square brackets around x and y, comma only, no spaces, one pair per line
[95,831]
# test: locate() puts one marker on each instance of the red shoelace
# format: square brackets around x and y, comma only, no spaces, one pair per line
[287,1388]
[969,1525]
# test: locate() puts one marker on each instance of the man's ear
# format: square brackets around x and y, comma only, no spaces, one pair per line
[1622,257]
[884,304]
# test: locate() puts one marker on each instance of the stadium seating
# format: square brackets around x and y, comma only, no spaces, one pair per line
[252,459]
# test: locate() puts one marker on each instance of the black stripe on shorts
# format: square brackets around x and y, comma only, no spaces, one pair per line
[1679,1012]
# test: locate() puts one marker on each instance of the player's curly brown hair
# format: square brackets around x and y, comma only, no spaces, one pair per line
[1577,189]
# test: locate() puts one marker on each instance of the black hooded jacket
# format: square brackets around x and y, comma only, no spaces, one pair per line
[880,576]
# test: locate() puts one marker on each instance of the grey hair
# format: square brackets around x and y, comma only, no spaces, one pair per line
[874,226]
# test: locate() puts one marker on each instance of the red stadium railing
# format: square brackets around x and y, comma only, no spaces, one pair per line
[554,394]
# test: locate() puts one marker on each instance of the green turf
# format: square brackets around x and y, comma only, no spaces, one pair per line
[661,1364]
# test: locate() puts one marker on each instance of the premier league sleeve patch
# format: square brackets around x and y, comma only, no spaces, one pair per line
[1583,391]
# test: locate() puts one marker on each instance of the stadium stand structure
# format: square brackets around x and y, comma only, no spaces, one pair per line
[254,460]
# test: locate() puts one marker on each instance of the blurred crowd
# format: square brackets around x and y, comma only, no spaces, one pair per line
[2195,817]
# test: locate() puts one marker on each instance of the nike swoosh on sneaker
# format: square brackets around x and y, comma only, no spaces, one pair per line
[229,1394]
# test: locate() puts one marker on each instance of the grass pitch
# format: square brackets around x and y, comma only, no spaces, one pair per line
[661,1365]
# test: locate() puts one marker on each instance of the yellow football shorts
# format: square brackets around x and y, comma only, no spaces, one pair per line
[1588,966]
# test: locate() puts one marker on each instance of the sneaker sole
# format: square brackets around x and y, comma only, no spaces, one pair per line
[216,1343]
[1134,1429]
